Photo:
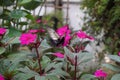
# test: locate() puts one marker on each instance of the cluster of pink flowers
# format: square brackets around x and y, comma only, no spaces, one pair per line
[59,54]
[83,35]
[27,38]
[64,32]
[1,77]
[100,73]
[2,31]
[30,36]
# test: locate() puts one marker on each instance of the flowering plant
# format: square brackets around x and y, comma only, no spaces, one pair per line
[29,54]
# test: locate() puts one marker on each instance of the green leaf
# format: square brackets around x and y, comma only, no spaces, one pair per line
[114,57]
[112,67]
[23,23]
[116,77]
[22,76]
[13,33]
[51,77]
[49,66]
[69,53]
[14,40]
[2,50]
[84,57]
[29,16]
[88,77]
[26,70]
[59,72]
[45,44]
[8,67]
[31,5]
[25,1]
[18,56]
[37,77]
[6,2]
[17,14]
[45,61]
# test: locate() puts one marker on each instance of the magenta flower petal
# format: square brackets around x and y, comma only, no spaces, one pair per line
[100,73]
[59,55]
[81,34]
[67,38]
[118,53]
[62,30]
[2,31]
[27,38]
[1,77]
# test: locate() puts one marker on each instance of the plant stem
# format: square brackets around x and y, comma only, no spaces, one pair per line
[38,58]
[67,67]
[41,7]
[75,77]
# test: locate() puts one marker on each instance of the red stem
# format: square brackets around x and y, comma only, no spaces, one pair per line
[67,67]
[38,58]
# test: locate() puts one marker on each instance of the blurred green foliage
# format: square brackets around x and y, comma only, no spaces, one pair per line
[103,16]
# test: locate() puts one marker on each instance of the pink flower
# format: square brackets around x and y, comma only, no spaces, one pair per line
[81,34]
[27,38]
[100,73]
[1,77]
[67,38]
[2,31]
[62,30]
[38,20]
[59,55]
[118,53]
[33,31]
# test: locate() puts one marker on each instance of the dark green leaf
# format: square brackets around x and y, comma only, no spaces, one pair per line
[13,33]
[6,2]
[29,16]
[17,14]
[2,50]
[31,5]
[23,23]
